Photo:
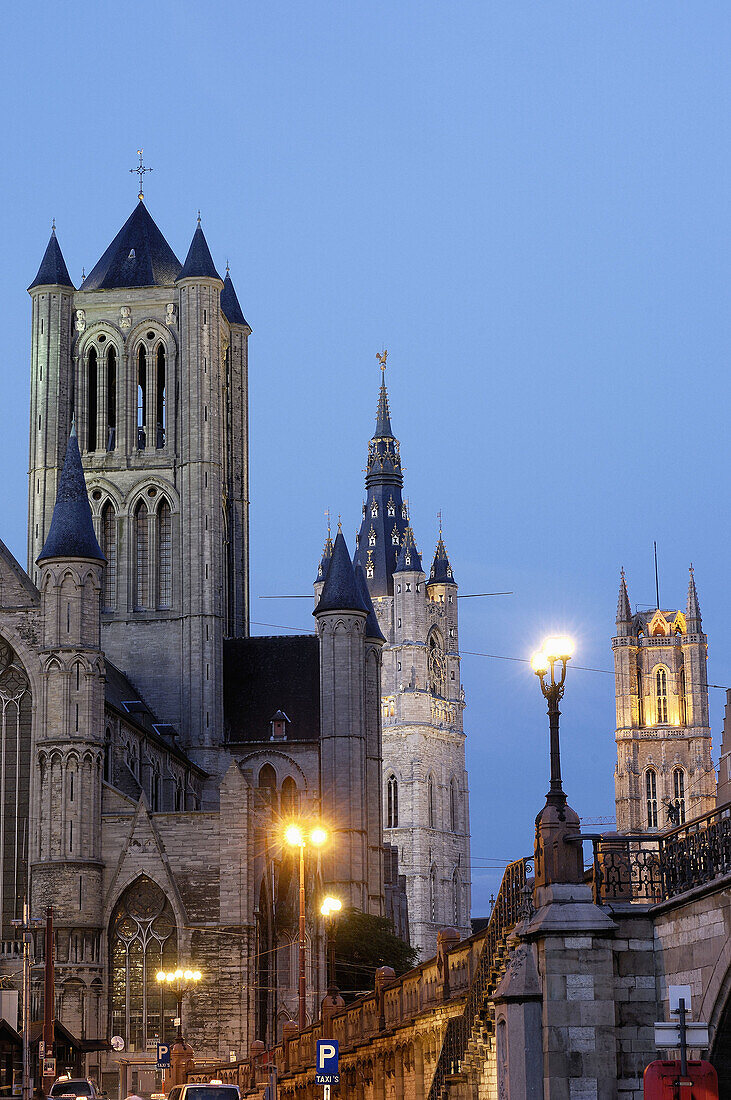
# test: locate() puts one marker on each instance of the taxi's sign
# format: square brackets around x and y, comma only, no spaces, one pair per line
[327,1069]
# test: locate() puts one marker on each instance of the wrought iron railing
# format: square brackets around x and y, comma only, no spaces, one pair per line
[512,904]
[649,868]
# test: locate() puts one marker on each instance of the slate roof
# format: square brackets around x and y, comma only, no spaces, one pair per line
[441,570]
[122,696]
[263,675]
[53,270]
[138,256]
[230,304]
[71,534]
[340,591]
[408,551]
[199,262]
[372,629]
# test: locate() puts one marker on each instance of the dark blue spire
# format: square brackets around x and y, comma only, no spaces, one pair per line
[53,270]
[340,591]
[230,304]
[409,559]
[385,516]
[71,534]
[199,262]
[327,553]
[441,570]
[372,629]
[138,256]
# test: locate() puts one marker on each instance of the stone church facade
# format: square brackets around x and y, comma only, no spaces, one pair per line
[152,751]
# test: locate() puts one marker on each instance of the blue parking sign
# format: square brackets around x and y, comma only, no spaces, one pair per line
[326,1070]
[163,1056]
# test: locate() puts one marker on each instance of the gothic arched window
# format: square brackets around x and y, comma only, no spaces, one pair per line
[111,399]
[109,549]
[682,701]
[431,813]
[640,700]
[268,783]
[437,664]
[456,899]
[108,756]
[142,940]
[164,555]
[290,798]
[142,554]
[661,694]
[160,399]
[91,388]
[679,795]
[651,797]
[141,397]
[433,894]
[453,806]
[391,802]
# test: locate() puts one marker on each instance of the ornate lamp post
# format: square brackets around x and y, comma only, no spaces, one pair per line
[558,855]
[297,838]
[180,980]
[329,908]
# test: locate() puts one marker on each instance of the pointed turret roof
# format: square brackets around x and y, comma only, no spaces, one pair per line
[441,570]
[340,591]
[692,607]
[53,270]
[327,553]
[71,534]
[409,559]
[624,612]
[372,629]
[230,304]
[138,256]
[383,414]
[199,262]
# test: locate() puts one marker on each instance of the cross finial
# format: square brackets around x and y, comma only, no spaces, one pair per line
[227,267]
[439,517]
[199,217]
[53,226]
[327,516]
[140,170]
[340,525]
[381,356]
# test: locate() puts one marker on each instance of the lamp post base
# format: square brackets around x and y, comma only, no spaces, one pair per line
[558,853]
[182,1060]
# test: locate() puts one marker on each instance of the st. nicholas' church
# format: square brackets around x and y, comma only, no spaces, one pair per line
[152,750]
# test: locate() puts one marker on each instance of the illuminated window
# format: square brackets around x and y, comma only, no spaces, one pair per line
[391,802]
[661,694]
[679,793]
[651,796]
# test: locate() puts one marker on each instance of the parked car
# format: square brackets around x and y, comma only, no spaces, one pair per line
[214,1090]
[73,1086]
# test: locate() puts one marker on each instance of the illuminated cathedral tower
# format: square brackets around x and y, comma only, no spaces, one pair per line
[664,774]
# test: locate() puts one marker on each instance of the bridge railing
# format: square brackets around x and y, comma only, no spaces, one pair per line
[649,867]
[510,906]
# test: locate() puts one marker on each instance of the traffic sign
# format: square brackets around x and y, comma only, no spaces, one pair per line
[49,1067]
[163,1056]
[326,1070]
[668,1035]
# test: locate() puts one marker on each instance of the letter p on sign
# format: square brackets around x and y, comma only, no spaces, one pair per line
[327,1062]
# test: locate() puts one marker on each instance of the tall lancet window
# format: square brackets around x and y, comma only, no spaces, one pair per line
[109,549]
[91,390]
[679,793]
[651,797]
[160,399]
[682,702]
[430,809]
[141,397]
[433,894]
[640,699]
[111,399]
[391,802]
[661,692]
[164,555]
[142,556]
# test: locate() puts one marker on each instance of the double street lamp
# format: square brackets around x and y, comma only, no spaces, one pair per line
[179,980]
[297,837]
[329,908]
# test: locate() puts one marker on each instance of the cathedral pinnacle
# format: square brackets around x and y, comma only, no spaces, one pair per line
[327,553]
[441,570]
[199,262]
[409,559]
[624,612]
[692,607]
[340,590]
[53,270]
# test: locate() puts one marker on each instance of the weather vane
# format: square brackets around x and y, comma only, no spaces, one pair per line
[381,356]
[140,170]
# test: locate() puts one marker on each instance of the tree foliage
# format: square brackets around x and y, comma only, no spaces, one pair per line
[362,944]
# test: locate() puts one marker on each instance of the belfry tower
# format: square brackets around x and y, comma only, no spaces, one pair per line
[425,792]
[150,356]
[664,774]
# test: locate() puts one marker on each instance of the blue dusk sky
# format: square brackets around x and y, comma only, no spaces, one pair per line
[528,205]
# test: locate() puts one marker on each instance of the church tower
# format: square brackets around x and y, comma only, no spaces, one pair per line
[425,791]
[150,356]
[65,835]
[664,774]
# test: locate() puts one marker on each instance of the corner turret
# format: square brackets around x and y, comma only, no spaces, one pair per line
[624,612]
[199,262]
[71,534]
[53,270]
[692,607]
[441,570]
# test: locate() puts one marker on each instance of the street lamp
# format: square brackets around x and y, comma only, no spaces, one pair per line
[553,652]
[329,908]
[180,980]
[296,837]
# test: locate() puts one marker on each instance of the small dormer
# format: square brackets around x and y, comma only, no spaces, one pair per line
[679,624]
[658,625]
[279,723]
